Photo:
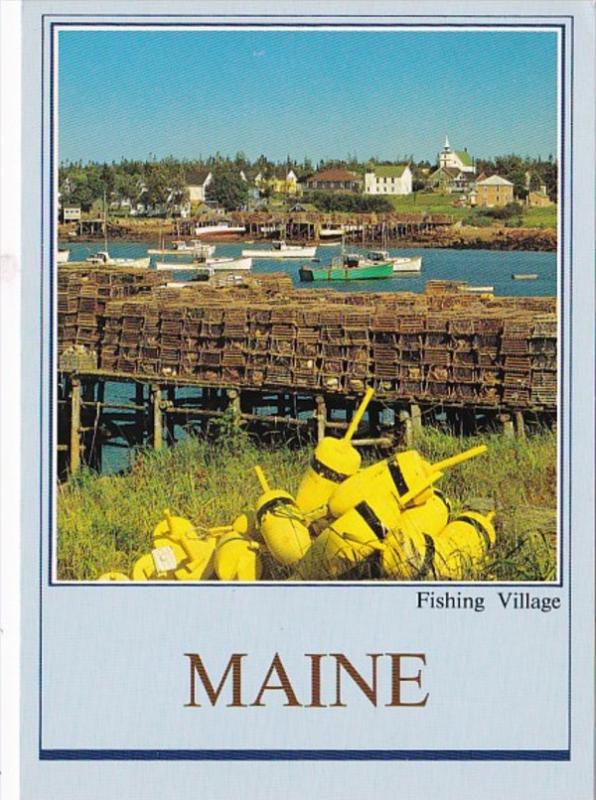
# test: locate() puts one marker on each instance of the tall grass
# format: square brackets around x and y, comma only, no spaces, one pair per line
[105,522]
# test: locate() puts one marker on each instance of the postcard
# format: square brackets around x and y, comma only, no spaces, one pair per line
[307,369]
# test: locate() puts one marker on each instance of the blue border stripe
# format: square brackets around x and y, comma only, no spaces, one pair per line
[305,755]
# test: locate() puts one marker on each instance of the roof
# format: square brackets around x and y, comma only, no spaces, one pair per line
[494,180]
[335,175]
[196,177]
[389,170]
[465,158]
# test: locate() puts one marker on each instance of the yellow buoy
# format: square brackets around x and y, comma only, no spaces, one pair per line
[410,546]
[351,539]
[237,558]
[462,546]
[113,576]
[333,461]
[281,523]
[407,474]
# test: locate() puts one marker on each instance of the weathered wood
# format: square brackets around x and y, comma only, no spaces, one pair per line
[406,427]
[520,428]
[75,425]
[416,417]
[321,416]
[157,416]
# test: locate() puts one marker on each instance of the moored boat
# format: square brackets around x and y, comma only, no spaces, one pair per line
[221,230]
[524,276]
[282,250]
[212,264]
[348,268]
[195,248]
[477,289]
[105,259]
[63,255]
[400,263]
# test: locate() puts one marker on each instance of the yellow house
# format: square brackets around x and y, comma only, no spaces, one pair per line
[494,191]
[280,183]
[540,199]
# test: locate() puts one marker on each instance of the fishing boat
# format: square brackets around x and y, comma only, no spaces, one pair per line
[221,230]
[103,258]
[63,255]
[330,235]
[477,289]
[282,250]
[400,263]
[347,268]
[212,264]
[193,248]
[524,276]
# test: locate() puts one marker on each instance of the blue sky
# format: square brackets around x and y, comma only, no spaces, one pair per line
[317,94]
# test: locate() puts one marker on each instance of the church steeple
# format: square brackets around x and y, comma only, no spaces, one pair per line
[446,147]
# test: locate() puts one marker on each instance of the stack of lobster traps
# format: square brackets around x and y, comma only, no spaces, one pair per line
[83,293]
[441,347]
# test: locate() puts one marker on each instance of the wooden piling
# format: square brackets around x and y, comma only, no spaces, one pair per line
[75,424]
[407,433]
[157,416]
[520,428]
[321,416]
[416,417]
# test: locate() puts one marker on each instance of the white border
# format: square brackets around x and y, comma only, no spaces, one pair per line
[10,395]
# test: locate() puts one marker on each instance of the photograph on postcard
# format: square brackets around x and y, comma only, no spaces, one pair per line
[306,288]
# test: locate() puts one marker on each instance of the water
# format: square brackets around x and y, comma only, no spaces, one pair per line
[478,267]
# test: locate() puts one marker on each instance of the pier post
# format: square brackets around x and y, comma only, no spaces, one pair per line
[321,416]
[234,405]
[520,428]
[75,424]
[416,417]
[140,415]
[507,425]
[374,421]
[157,418]
[407,431]
[170,418]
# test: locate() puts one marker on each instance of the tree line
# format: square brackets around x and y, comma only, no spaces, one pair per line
[163,183]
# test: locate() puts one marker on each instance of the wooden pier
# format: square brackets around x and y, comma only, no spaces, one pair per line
[157,413]
[271,358]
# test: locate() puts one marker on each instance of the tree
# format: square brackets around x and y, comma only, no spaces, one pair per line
[228,189]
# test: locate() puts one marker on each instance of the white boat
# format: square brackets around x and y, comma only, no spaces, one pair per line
[328,234]
[105,259]
[194,248]
[211,264]
[400,263]
[221,229]
[477,289]
[63,256]
[282,250]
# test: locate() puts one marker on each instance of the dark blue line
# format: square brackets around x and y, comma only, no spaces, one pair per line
[304,755]
[41,379]
[570,655]
[316,16]
[300,25]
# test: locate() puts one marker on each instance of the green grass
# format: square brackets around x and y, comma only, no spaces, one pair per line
[431,203]
[540,217]
[105,523]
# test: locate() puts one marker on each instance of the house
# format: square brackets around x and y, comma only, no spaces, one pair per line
[388,179]
[279,181]
[197,181]
[494,191]
[457,159]
[71,214]
[451,179]
[335,180]
[539,199]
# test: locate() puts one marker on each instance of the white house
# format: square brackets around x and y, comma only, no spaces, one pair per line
[456,159]
[197,181]
[390,179]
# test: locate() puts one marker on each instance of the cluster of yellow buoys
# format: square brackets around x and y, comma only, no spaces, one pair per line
[341,516]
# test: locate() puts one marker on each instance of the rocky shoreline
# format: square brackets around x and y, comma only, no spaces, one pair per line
[457,237]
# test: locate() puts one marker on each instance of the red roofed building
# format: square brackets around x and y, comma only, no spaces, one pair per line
[335,180]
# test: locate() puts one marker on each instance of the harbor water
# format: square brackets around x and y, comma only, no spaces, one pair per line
[477,267]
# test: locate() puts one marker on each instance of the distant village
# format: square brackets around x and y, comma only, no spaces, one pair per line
[173,188]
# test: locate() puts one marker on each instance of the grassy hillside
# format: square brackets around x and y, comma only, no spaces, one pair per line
[106,522]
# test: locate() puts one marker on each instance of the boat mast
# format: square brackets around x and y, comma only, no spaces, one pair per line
[105,221]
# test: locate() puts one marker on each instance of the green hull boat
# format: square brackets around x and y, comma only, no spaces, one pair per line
[343,273]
